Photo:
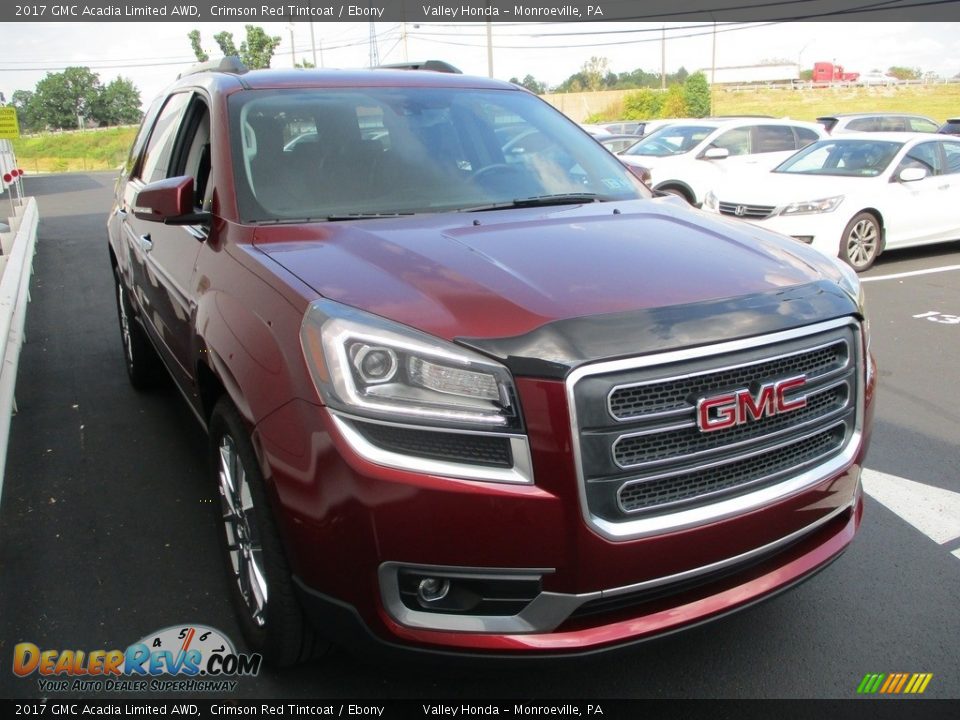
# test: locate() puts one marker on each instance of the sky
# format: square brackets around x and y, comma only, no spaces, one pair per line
[151,54]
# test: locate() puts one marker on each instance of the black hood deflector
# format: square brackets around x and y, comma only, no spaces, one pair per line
[554,350]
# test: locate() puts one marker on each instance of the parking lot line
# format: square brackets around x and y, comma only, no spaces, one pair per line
[933,511]
[912,273]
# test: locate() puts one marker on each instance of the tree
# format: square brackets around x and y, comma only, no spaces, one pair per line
[65,99]
[530,83]
[304,64]
[674,103]
[26,104]
[194,36]
[118,103]
[642,105]
[256,51]
[904,73]
[696,94]
[595,72]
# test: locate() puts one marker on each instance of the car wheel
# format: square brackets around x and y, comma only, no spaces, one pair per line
[678,192]
[860,244]
[143,365]
[261,584]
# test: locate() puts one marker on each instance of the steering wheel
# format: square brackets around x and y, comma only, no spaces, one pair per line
[493,169]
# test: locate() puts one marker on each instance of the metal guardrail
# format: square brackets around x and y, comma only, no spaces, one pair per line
[16,266]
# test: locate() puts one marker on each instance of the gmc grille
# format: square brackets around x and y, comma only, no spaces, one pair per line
[642,453]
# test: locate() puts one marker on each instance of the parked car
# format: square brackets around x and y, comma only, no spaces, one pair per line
[876,78]
[617,143]
[876,122]
[687,158]
[625,127]
[854,196]
[950,127]
[463,399]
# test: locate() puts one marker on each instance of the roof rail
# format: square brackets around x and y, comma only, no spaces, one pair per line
[229,64]
[434,65]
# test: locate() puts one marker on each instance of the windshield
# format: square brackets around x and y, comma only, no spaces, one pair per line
[340,153]
[852,158]
[671,140]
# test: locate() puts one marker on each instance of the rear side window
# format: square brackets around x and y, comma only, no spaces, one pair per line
[156,159]
[773,138]
[864,125]
[805,136]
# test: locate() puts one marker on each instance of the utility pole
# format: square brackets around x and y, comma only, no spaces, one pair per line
[374,53]
[293,51]
[663,57]
[489,48]
[313,45]
[713,67]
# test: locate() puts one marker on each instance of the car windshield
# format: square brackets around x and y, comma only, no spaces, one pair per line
[671,140]
[852,158]
[312,154]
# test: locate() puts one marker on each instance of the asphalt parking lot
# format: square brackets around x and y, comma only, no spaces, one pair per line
[108,519]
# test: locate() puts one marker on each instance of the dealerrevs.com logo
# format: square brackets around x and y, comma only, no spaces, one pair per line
[182,658]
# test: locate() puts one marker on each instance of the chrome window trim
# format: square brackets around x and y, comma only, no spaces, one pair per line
[549,610]
[694,517]
[687,376]
[520,474]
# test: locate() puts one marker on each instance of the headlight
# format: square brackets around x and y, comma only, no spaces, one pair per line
[366,365]
[710,201]
[813,206]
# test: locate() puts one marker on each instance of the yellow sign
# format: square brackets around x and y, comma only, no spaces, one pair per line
[9,129]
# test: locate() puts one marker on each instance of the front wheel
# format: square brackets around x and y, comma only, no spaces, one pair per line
[261,585]
[860,243]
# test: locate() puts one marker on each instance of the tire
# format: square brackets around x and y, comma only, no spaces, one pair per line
[678,192]
[143,365]
[860,244]
[261,586]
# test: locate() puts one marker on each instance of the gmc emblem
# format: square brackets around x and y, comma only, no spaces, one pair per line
[735,408]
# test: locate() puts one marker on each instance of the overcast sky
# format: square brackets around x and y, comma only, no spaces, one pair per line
[151,54]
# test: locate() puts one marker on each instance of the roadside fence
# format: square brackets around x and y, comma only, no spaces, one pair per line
[18,238]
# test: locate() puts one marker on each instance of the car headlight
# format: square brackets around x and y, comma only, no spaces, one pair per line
[813,206]
[710,201]
[369,366]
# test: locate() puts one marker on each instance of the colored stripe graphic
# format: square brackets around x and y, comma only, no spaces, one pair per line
[894,683]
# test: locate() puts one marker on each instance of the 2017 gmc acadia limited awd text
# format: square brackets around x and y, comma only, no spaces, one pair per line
[469,387]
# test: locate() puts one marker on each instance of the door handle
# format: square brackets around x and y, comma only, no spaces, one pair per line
[944,187]
[146,244]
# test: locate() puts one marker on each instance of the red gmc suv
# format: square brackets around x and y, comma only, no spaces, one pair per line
[469,387]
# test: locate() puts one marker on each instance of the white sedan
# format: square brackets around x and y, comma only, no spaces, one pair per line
[855,195]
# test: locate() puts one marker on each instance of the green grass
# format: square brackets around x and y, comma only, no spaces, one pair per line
[935,101]
[101,149]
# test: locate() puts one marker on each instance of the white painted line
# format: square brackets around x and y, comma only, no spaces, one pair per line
[933,511]
[956,553]
[946,268]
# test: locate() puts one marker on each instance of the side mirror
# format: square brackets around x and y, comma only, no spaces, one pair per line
[169,201]
[715,153]
[912,174]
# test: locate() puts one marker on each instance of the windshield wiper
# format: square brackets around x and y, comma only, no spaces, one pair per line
[537,201]
[365,215]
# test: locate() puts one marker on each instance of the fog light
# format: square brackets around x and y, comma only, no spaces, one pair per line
[431,590]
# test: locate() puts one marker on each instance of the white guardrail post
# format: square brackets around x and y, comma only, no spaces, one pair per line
[16,266]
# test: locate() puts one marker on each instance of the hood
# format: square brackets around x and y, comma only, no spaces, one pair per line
[749,187]
[505,273]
